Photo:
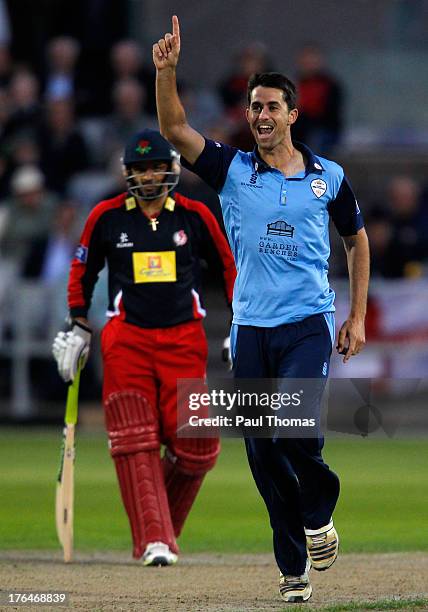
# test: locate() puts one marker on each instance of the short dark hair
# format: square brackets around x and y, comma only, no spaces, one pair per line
[277,81]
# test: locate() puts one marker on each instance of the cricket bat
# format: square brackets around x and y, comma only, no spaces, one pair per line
[64,502]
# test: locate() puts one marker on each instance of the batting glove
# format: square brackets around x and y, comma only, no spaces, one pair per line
[71,347]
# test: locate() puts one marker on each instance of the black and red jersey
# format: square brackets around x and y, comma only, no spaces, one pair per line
[154,265]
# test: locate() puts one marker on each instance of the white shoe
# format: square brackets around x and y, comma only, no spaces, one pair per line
[322,546]
[158,553]
[295,589]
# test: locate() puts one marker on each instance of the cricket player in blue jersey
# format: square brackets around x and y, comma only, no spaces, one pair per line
[276,203]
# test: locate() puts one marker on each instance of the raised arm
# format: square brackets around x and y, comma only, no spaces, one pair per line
[172,118]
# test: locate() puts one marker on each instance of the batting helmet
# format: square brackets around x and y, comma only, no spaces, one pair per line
[150,145]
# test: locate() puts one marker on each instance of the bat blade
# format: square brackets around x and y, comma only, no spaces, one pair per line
[65,496]
[64,500]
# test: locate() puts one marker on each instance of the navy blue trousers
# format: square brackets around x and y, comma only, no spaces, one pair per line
[297,486]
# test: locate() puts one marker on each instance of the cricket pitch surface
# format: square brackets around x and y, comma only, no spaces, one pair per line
[211,582]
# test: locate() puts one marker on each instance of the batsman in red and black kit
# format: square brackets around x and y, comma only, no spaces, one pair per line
[152,240]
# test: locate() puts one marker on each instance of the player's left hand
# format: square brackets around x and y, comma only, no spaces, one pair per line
[351,339]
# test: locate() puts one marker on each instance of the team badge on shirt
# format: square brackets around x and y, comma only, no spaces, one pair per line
[319,187]
[180,238]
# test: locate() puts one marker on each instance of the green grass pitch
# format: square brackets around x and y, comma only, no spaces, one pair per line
[382,507]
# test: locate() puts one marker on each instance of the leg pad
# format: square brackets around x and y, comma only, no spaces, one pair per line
[184,471]
[131,422]
[133,432]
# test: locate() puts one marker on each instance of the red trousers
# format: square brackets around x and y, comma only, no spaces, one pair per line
[150,361]
[144,365]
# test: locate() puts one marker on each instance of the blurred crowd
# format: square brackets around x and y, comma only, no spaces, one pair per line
[57,157]
[62,132]
[69,102]
[61,135]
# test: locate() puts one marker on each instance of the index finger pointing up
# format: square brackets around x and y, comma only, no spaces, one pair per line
[175,27]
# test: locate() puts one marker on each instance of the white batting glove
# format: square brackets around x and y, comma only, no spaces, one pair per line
[70,347]
[226,355]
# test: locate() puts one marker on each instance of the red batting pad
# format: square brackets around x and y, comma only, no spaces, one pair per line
[184,472]
[134,438]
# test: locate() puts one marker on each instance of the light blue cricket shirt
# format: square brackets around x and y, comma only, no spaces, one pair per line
[278,230]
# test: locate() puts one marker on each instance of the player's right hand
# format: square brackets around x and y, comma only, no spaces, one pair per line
[167,49]
[226,353]
[70,347]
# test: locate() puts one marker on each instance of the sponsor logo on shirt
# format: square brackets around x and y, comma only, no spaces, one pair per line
[124,241]
[271,245]
[280,228]
[319,187]
[281,249]
[154,267]
[155,262]
[81,253]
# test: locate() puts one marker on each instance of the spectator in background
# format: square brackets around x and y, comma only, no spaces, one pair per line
[28,214]
[233,89]
[24,150]
[49,256]
[204,107]
[5,65]
[117,177]
[127,117]
[408,247]
[249,60]
[379,231]
[25,108]
[63,149]
[60,79]
[127,63]
[320,101]
[101,23]
[21,151]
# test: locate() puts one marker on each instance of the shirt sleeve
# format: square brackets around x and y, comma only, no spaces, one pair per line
[213,163]
[344,210]
[215,249]
[86,265]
